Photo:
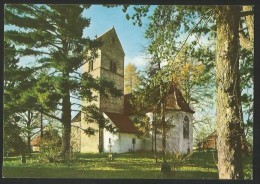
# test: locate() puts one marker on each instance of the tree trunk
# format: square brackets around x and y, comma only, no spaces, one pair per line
[101,138]
[41,126]
[66,120]
[163,132]
[228,103]
[28,124]
[29,144]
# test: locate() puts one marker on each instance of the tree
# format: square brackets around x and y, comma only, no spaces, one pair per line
[14,88]
[220,23]
[30,125]
[53,34]
[229,121]
[151,95]
[131,79]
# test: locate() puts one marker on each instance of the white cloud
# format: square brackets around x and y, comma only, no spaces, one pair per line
[139,61]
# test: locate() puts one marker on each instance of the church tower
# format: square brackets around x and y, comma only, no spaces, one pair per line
[109,65]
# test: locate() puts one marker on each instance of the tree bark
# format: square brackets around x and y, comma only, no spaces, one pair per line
[228,93]
[66,121]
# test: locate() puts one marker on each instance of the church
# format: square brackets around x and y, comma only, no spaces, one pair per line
[119,111]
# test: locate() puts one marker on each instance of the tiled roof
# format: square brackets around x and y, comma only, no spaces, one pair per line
[175,101]
[122,122]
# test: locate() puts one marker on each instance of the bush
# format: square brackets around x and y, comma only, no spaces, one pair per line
[50,146]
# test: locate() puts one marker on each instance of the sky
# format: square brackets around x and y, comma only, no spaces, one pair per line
[131,36]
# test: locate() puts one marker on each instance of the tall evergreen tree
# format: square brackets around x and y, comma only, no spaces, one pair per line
[54,34]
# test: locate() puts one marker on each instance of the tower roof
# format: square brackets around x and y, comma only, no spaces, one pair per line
[174,101]
[111,32]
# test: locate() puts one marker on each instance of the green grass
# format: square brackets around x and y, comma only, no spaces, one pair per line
[126,166]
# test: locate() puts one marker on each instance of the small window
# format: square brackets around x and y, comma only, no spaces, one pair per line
[133,141]
[113,40]
[90,66]
[113,66]
[115,69]
[109,140]
[186,127]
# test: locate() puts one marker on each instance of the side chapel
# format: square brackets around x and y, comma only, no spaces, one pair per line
[110,64]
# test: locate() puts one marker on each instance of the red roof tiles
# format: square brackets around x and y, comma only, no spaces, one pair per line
[122,122]
[174,101]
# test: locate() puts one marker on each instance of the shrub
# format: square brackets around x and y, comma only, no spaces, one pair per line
[50,146]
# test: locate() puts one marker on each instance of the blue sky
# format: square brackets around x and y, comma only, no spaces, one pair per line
[131,37]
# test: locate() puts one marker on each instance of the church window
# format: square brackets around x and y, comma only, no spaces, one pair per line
[90,66]
[112,66]
[133,141]
[113,40]
[115,69]
[186,127]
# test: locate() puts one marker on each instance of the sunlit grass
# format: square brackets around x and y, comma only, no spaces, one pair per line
[139,165]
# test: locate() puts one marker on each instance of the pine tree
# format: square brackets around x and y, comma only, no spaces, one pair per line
[54,34]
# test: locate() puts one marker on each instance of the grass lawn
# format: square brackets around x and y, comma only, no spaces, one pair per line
[138,165]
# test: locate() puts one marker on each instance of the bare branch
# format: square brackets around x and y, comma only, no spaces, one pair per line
[246,13]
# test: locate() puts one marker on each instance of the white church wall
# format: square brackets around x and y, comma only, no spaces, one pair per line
[186,144]
[175,141]
[126,143]
[111,141]
[173,136]
[121,142]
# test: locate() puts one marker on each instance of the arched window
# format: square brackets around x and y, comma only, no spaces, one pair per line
[186,127]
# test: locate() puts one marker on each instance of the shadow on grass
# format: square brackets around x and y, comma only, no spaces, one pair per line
[125,166]
[17,172]
[191,175]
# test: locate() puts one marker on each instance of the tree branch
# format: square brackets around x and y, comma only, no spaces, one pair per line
[50,115]
[244,40]
[246,13]
[183,43]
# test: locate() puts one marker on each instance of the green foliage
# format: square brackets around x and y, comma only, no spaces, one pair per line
[12,140]
[131,79]
[93,115]
[50,146]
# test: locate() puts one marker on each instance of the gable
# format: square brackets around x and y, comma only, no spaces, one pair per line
[110,39]
[174,101]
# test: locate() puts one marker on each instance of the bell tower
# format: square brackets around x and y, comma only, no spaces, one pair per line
[109,65]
